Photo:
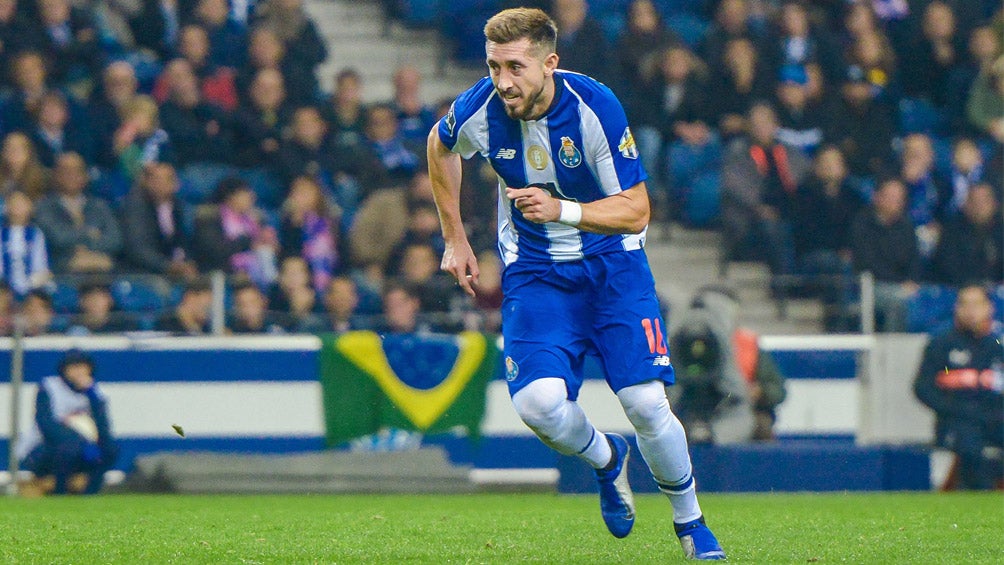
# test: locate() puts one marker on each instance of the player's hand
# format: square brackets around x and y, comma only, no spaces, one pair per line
[535,204]
[459,260]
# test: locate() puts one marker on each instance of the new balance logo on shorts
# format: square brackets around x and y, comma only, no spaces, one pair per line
[506,154]
[661,361]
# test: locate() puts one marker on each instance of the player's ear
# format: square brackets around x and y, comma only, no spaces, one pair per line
[550,64]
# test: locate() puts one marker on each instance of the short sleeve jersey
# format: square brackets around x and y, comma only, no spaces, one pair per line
[581,150]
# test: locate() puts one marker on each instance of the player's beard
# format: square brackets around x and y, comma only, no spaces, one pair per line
[525,111]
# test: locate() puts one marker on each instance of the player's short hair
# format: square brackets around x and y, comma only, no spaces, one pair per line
[523,23]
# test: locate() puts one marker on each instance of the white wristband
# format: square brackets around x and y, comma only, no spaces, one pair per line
[571,213]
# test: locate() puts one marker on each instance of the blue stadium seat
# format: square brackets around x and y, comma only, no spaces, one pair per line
[930,309]
[64,298]
[689,28]
[420,13]
[919,116]
[137,295]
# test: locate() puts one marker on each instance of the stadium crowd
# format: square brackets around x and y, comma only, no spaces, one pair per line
[147,143]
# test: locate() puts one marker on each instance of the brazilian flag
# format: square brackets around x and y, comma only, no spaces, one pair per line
[428,383]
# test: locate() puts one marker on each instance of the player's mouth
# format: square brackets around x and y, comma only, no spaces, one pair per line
[510,98]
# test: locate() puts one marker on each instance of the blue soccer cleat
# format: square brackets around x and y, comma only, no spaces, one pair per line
[616,500]
[698,542]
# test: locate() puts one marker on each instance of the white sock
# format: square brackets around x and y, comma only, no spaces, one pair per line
[663,444]
[560,423]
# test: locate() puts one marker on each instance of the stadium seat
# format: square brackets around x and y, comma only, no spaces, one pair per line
[930,309]
[64,298]
[689,28]
[137,295]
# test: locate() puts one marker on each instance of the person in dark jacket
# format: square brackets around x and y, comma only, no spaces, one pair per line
[883,242]
[156,221]
[961,378]
[972,243]
[70,446]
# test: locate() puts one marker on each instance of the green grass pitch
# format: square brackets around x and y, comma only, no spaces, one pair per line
[495,528]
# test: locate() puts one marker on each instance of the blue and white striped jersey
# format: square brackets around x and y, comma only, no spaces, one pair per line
[581,149]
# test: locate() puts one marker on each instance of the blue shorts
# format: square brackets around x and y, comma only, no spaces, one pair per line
[554,314]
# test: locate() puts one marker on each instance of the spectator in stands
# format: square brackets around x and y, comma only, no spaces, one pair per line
[70,445]
[54,133]
[397,155]
[191,315]
[488,300]
[226,37]
[644,37]
[927,194]
[960,380]
[421,224]
[760,177]
[288,19]
[157,224]
[380,225]
[119,86]
[800,122]
[20,169]
[70,41]
[345,111]
[739,81]
[675,123]
[862,127]
[938,49]
[260,121]
[216,82]
[36,308]
[6,309]
[250,313]
[97,314]
[231,235]
[155,28]
[883,242]
[985,107]
[341,299]
[309,229]
[17,33]
[267,51]
[966,171]
[139,141]
[305,152]
[873,55]
[581,44]
[401,310]
[200,131]
[82,233]
[826,204]
[972,243]
[731,23]
[798,42]
[984,46]
[414,117]
[31,83]
[25,262]
[419,267]
[292,293]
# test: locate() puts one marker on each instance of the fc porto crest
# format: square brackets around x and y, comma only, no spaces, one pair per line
[511,369]
[569,154]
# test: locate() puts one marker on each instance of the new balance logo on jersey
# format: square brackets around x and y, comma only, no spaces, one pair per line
[661,361]
[506,154]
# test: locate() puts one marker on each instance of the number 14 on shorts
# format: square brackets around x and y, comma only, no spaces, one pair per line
[656,342]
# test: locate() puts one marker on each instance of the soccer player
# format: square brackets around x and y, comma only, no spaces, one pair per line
[573,211]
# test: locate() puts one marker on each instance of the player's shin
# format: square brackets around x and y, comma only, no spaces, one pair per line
[663,444]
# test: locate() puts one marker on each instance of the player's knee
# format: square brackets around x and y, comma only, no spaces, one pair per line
[646,408]
[541,406]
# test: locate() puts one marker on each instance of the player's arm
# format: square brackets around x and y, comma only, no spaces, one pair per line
[445,174]
[625,212]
